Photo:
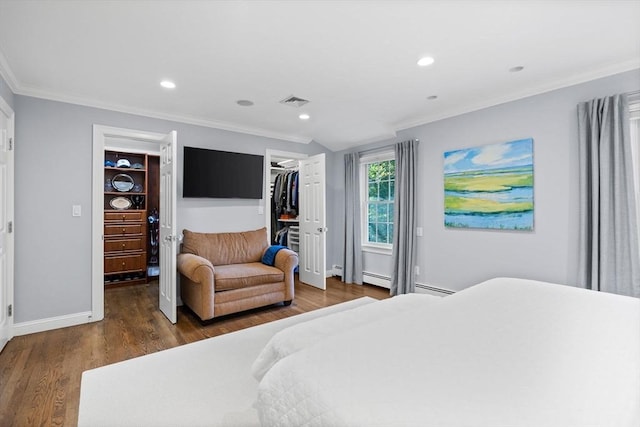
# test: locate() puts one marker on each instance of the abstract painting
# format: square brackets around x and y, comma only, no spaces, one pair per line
[490,187]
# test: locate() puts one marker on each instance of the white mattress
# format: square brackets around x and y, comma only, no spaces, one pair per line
[206,383]
[506,352]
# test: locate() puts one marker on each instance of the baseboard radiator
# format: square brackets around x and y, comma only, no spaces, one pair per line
[385,282]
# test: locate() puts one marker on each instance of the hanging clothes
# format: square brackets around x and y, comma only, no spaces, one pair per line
[285,194]
[284,204]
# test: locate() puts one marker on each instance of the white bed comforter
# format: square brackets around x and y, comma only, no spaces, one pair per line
[506,352]
[306,334]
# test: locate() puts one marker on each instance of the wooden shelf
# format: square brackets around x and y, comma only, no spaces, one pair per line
[125,230]
[113,168]
[289,220]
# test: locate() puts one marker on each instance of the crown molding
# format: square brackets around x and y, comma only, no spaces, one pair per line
[7,74]
[16,88]
[233,127]
[531,91]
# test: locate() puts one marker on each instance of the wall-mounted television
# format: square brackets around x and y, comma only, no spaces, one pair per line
[222,174]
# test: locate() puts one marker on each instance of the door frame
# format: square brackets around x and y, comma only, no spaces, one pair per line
[120,139]
[6,109]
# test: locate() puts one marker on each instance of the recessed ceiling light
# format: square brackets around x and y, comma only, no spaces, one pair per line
[304,116]
[168,84]
[427,60]
[516,69]
[432,97]
[244,102]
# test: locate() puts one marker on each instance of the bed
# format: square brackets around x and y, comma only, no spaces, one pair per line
[506,352]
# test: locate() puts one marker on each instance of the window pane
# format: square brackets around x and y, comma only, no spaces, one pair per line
[382,213]
[382,233]
[392,190]
[372,232]
[373,191]
[384,190]
[390,212]
[372,212]
[391,233]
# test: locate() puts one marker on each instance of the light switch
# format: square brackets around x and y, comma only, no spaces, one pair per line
[419,231]
[77,210]
[260,210]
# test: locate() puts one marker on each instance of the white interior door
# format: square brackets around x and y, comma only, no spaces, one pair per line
[168,237]
[6,223]
[313,225]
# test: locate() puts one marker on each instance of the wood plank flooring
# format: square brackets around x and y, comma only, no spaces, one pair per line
[40,373]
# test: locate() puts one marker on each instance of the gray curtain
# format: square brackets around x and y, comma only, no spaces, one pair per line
[352,262]
[404,215]
[609,258]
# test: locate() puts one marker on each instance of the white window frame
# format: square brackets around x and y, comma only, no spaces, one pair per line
[382,248]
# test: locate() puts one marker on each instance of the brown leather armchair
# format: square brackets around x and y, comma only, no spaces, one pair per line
[223,273]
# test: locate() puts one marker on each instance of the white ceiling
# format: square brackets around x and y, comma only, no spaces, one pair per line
[354,60]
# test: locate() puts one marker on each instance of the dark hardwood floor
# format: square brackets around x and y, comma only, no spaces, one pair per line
[40,373]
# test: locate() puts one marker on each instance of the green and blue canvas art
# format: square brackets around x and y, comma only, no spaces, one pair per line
[490,187]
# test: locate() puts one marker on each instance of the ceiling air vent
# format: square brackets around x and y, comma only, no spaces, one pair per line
[294,101]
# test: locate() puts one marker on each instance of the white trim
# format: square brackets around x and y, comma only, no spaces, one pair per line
[7,74]
[10,217]
[41,325]
[123,139]
[382,250]
[376,279]
[198,121]
[422,288]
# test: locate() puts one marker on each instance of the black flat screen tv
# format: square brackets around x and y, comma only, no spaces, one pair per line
[222,174]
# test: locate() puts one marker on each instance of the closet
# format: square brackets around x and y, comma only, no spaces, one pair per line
[297,214]
[131,212]
[284,199]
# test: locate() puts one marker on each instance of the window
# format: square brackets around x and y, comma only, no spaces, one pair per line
[378,189]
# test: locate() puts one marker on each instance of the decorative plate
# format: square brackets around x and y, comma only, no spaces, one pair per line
[120,203]
[122,182]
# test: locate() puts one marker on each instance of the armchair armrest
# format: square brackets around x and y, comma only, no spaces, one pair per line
[286,260]
[195,268]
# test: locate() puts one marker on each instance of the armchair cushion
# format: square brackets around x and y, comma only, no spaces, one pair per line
[226,248]
[236,276]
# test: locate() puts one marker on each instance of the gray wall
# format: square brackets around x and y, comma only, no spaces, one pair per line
[53,172]
[455,259]
[5,92]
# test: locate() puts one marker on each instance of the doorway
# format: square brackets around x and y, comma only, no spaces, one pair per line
[162,146]
[309,225]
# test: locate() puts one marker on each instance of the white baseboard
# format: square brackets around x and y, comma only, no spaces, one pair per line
[385,282]
[421,288]
[41,325]
[376,279]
